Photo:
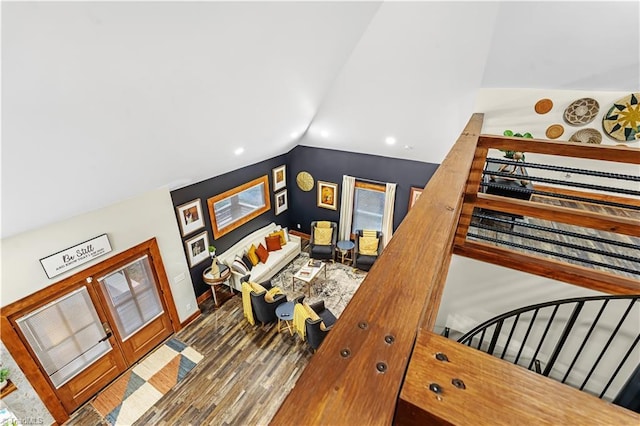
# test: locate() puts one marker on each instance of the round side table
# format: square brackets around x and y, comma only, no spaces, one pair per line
[346,250]
[284,312]
[225,273]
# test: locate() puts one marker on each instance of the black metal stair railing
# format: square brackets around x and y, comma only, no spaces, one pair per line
[590,343]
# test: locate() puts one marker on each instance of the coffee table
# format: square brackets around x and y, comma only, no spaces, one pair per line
[307,274]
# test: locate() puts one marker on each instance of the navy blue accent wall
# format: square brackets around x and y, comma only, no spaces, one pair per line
[330,165]
[217,185]
[323,164]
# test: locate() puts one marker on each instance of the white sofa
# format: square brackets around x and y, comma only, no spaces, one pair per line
[262,271]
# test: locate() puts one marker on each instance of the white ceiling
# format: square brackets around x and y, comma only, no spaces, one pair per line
[105,101]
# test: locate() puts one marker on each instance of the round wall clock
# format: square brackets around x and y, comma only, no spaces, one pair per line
[305,181]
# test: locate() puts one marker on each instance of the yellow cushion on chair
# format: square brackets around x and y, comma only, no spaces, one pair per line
[271,293]
[322,236]
[369,233]
[323,224]
[368,246]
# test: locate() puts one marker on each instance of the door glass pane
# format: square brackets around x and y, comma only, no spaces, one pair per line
[368,208]
[132,296]
[65,335]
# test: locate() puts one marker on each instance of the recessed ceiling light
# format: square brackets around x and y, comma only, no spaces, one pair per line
[324,134]
[238,151]
[408,147]
[294,135]
[390,140]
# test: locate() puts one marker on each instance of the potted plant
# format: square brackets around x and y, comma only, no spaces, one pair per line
[4,375]
[212,251]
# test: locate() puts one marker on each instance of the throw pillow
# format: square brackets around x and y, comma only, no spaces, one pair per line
[273,242]
[257,288]
[253,257]
[280,233]
[239,266]
[269,297]
[369,233]
[323,224]
[368,246]
[312,314]
[247,262]
[322,236]
[262,253]
[286,234]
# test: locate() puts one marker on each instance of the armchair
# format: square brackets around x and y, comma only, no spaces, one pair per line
[264,310]
[318,326]
[323,250]
[364,259]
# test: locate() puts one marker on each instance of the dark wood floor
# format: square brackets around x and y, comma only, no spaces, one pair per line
[246,373]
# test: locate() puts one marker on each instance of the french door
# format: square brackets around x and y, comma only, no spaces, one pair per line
[99,324]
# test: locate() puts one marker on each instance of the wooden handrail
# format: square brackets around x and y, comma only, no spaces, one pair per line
[619,154]
[493,392]
[355,376]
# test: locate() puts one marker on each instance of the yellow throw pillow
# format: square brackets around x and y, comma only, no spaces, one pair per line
[323,224]
[280,233]
[369,233]
[312,314]
[322,236]
[257,288]
[368,246]
[271,293]
[253,257]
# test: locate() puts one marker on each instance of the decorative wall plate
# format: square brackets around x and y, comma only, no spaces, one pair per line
[586,136]
[554,131]
[622,121]
[581,112]
[305,181]
[543,106]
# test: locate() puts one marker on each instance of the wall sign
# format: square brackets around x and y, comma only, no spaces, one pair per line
[75,256]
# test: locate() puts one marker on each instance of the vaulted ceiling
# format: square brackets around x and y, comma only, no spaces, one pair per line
[104,101]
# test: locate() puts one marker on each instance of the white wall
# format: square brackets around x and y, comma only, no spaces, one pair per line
[477,291]
[127,224]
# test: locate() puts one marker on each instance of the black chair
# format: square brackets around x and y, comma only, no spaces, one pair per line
[323,252]
[264,311]
[365,261]
[317,330]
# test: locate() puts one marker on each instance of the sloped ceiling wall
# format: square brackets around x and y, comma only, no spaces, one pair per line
[104,101]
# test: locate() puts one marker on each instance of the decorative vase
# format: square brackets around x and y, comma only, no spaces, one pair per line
[215,269]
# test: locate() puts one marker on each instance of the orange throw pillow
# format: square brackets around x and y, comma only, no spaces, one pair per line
[273,243]
[262,253]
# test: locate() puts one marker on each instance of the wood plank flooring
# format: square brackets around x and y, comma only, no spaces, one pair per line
[246,373]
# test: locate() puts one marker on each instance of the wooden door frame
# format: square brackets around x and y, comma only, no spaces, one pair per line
[19,350]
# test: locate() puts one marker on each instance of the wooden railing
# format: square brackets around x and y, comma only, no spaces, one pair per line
[357,375]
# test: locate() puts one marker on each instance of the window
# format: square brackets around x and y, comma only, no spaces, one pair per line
[368,206]
[132,296]
[239,205]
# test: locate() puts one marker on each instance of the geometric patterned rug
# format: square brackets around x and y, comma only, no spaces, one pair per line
[131,395]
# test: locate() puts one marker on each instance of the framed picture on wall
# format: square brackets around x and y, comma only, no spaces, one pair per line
[328,195]
[281,201]
[190,217]
[413,196]
[279,177]
[197,249]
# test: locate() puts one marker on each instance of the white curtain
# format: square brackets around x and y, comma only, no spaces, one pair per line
[346,207]
[387,216]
